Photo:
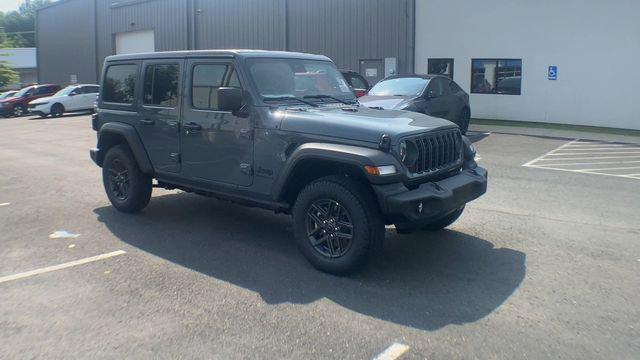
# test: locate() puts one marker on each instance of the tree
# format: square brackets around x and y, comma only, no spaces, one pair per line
[19,25]
[7,75]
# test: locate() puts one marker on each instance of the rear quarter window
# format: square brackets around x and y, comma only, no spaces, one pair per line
[120,83]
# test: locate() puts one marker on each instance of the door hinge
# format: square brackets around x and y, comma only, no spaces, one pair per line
[246,169]
[175,157]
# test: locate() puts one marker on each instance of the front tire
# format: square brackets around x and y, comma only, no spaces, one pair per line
[337,224]
[445,221]
[57,110]
[128,189]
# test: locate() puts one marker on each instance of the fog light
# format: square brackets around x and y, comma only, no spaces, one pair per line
[419,208]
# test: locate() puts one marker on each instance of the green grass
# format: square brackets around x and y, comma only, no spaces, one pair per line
[542,125]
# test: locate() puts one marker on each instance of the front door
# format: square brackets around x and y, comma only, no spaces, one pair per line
[372,70]
[158,125]
[217,146]
[438,101]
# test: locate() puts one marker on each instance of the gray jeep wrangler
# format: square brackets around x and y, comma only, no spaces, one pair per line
[282,131]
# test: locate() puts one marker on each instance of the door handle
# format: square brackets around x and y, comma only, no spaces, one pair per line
[147,122]
[191,127]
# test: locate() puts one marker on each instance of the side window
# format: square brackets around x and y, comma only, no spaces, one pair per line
[120,83]
[161,85]
[357,82]
[41,90]
[454,88]
[206,79]
[436,88]
[80,90]
[92,89]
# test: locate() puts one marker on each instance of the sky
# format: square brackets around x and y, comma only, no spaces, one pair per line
[9,5]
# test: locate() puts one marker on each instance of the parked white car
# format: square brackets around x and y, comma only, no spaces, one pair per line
[73,98]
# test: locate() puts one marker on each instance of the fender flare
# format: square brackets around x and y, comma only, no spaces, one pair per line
[132,139]
[356,156]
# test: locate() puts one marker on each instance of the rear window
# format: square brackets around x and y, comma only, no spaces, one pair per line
[120,83]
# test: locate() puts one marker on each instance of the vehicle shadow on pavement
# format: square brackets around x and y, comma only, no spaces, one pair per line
[423,280]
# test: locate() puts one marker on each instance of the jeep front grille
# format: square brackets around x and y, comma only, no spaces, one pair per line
[437,151]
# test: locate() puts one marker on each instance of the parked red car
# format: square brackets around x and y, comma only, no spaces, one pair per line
[17,105]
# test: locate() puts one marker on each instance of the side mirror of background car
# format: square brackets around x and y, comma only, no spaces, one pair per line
[72,94]
[431,94]
[229,99]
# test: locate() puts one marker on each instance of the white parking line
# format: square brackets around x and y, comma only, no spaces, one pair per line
[393,352]
[5,204]
[598,158]
[60,266]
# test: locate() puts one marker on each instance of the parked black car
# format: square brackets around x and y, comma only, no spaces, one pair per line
[433,95]
[282,131]
[357,82]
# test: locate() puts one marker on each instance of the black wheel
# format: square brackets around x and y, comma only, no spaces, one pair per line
[463,120]
[57,110]
[19,110]
[337,224]
[128,189]
[445,221]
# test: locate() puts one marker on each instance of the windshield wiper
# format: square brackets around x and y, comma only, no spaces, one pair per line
[280,98]
[328,97]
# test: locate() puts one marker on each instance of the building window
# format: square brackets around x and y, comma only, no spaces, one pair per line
[496,76]
[161,85]
[119,84]
[440,67]
[205,82]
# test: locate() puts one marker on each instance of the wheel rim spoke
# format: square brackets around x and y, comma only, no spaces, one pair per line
[329,228]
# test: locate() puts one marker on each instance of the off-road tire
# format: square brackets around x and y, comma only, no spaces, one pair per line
[367,226]
[139,189]
[445,221]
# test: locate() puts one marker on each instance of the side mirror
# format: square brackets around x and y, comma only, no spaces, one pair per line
[229,99]
[72,94]
[431,94]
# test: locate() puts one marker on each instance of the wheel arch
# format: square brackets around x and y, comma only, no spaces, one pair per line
[112,134]
[312,161]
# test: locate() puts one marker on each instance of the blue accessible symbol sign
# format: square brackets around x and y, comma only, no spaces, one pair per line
[552,74]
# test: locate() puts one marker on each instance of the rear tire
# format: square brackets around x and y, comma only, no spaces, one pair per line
[128,189]
[57,110]
[19,110]
[337,224]
[445,221]
[463,120]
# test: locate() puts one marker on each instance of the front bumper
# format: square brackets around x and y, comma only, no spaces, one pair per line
[39,109]
[96,155]
[402,207]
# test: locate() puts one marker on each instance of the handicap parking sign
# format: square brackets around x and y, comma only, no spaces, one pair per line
[552,74]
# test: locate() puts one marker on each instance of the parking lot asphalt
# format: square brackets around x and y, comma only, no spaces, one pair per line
[545,265]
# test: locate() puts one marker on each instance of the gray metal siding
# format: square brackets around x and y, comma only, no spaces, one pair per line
[350,30]
[65,42]
[240,24]
[345,30]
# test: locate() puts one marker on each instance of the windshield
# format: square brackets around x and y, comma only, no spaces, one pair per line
[292,79]
[410,86]
[66,91]
[24,91]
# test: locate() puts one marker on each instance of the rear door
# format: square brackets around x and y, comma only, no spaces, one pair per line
[217,146]
[159,109]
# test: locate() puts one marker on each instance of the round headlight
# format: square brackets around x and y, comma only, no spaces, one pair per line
[408,153]
[403,151]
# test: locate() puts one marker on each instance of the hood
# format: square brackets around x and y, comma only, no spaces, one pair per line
[386,102]
[41,100]
[11,100]
[359,123]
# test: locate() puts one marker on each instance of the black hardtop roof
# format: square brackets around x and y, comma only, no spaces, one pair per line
[217,53]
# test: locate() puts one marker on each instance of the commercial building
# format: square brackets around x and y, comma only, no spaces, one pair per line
[568,62]
[22,61]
